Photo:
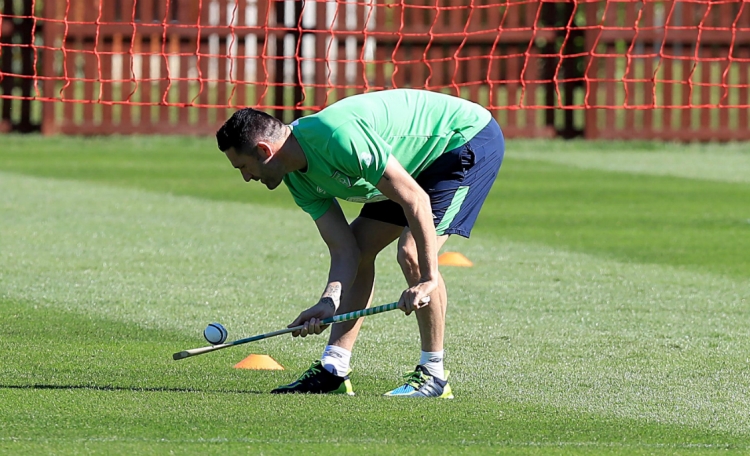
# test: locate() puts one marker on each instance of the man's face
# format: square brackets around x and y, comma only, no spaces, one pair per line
[253,168]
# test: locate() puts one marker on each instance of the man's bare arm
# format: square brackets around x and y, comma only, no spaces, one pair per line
[400,187]
[344,253]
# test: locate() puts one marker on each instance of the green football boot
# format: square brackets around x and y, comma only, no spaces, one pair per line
[317,380]
[421,384]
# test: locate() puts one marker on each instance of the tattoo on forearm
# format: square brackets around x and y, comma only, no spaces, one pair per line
[333,289]
[332,295]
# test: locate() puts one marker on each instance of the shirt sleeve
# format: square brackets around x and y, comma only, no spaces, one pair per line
[360,151]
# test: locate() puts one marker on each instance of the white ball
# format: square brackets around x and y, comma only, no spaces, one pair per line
[215,334]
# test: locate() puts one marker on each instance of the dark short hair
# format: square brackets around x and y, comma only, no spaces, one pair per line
[247,127]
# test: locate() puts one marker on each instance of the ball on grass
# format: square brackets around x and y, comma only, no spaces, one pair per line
[215,334]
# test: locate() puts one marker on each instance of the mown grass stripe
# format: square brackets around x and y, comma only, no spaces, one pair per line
[561,334]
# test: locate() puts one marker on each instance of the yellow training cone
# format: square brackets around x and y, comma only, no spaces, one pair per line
[259,362]
[454,259]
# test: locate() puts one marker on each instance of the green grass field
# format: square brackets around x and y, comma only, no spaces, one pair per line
[607,311]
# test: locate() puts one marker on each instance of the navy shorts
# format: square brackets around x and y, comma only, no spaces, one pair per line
[457,183]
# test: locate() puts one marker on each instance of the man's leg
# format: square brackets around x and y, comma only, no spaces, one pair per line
[457,183]
[372,237]
[429,379]
[431,318]
[330,374]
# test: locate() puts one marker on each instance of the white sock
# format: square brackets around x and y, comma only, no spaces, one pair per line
[433,363]
[336,360]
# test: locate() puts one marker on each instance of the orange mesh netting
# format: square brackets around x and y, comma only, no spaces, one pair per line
[599,68]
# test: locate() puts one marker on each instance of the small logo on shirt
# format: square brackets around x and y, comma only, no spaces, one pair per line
[342,179]
[366,158]
[320,190]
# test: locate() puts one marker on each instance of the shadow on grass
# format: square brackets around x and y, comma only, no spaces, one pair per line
[126,388]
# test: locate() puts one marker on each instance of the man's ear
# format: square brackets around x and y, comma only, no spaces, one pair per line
[265,151]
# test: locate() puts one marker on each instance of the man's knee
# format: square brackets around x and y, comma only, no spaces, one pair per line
[367,256]
[408,259]
[372,237]
[368,250]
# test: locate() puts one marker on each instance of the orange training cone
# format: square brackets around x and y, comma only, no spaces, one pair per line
[454,259]
[259,362]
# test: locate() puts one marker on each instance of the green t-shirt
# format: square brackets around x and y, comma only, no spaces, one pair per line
[347,144]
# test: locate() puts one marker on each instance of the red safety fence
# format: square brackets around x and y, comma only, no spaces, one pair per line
[600,69]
